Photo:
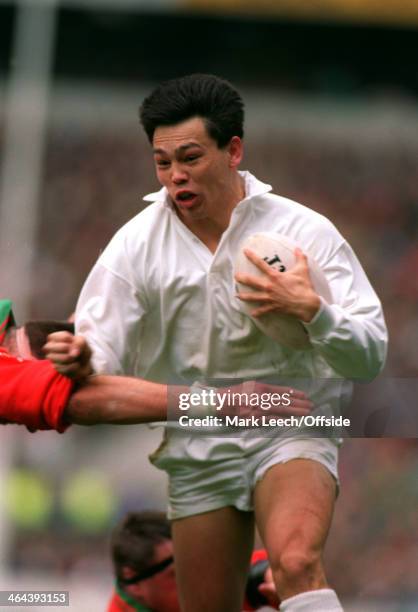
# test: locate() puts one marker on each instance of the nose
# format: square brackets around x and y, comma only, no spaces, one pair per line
[178,175]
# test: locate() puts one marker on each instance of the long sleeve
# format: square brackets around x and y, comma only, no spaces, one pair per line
[351,333]
[109,314]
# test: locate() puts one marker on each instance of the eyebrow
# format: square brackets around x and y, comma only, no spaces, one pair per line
[183,147]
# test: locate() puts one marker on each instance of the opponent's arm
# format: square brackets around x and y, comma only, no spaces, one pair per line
[124,400]
[117,400]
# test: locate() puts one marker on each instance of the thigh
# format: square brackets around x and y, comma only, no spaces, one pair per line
[294,503]
[212,552]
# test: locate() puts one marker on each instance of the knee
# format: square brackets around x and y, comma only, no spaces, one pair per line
[297,566]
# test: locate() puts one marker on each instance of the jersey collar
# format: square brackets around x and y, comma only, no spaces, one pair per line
[135,605]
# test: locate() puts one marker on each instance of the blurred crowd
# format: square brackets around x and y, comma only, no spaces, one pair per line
[93,182]
[372,550]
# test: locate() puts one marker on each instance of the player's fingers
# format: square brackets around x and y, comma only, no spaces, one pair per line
[58,343]
[61,360]
[301,262]
[252,296]
[292,411]
[300,255]
[294,393]
[252,281]
[57,347]
[288,392]
[80,341]
[61,336]
[257,261]
[257,312]
[268,590]
[80,346]
[60,350]
[304,403]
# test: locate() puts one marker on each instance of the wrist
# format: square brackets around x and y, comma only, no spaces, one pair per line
[310,308]
[202,400]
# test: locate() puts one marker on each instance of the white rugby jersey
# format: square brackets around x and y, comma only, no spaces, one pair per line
[159,305]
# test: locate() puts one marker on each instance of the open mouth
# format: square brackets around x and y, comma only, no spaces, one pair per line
[185,198]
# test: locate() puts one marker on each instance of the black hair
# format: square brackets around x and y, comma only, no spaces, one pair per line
[207,96]
[134,539]
[38,332]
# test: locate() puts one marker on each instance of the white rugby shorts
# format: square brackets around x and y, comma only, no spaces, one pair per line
[208,473]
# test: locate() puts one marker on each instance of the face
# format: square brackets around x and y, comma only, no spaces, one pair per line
[159,592]
[201,178]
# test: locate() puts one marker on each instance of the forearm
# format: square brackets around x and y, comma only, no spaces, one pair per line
[350,333]
[118,400]
[354,346]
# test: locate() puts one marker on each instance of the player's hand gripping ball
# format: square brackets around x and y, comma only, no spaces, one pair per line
[279,252]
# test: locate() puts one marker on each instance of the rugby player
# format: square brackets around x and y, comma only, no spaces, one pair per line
[143,561]
[160,304]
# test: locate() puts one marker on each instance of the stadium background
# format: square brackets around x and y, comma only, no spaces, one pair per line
[332,121]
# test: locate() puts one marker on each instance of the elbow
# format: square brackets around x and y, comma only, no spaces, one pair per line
[370,364]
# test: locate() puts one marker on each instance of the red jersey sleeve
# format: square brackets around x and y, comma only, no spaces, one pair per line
[33,393]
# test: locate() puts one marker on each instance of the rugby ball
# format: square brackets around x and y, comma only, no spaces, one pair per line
[279,252]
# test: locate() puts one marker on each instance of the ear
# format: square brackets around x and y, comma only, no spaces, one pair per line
[236,151]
